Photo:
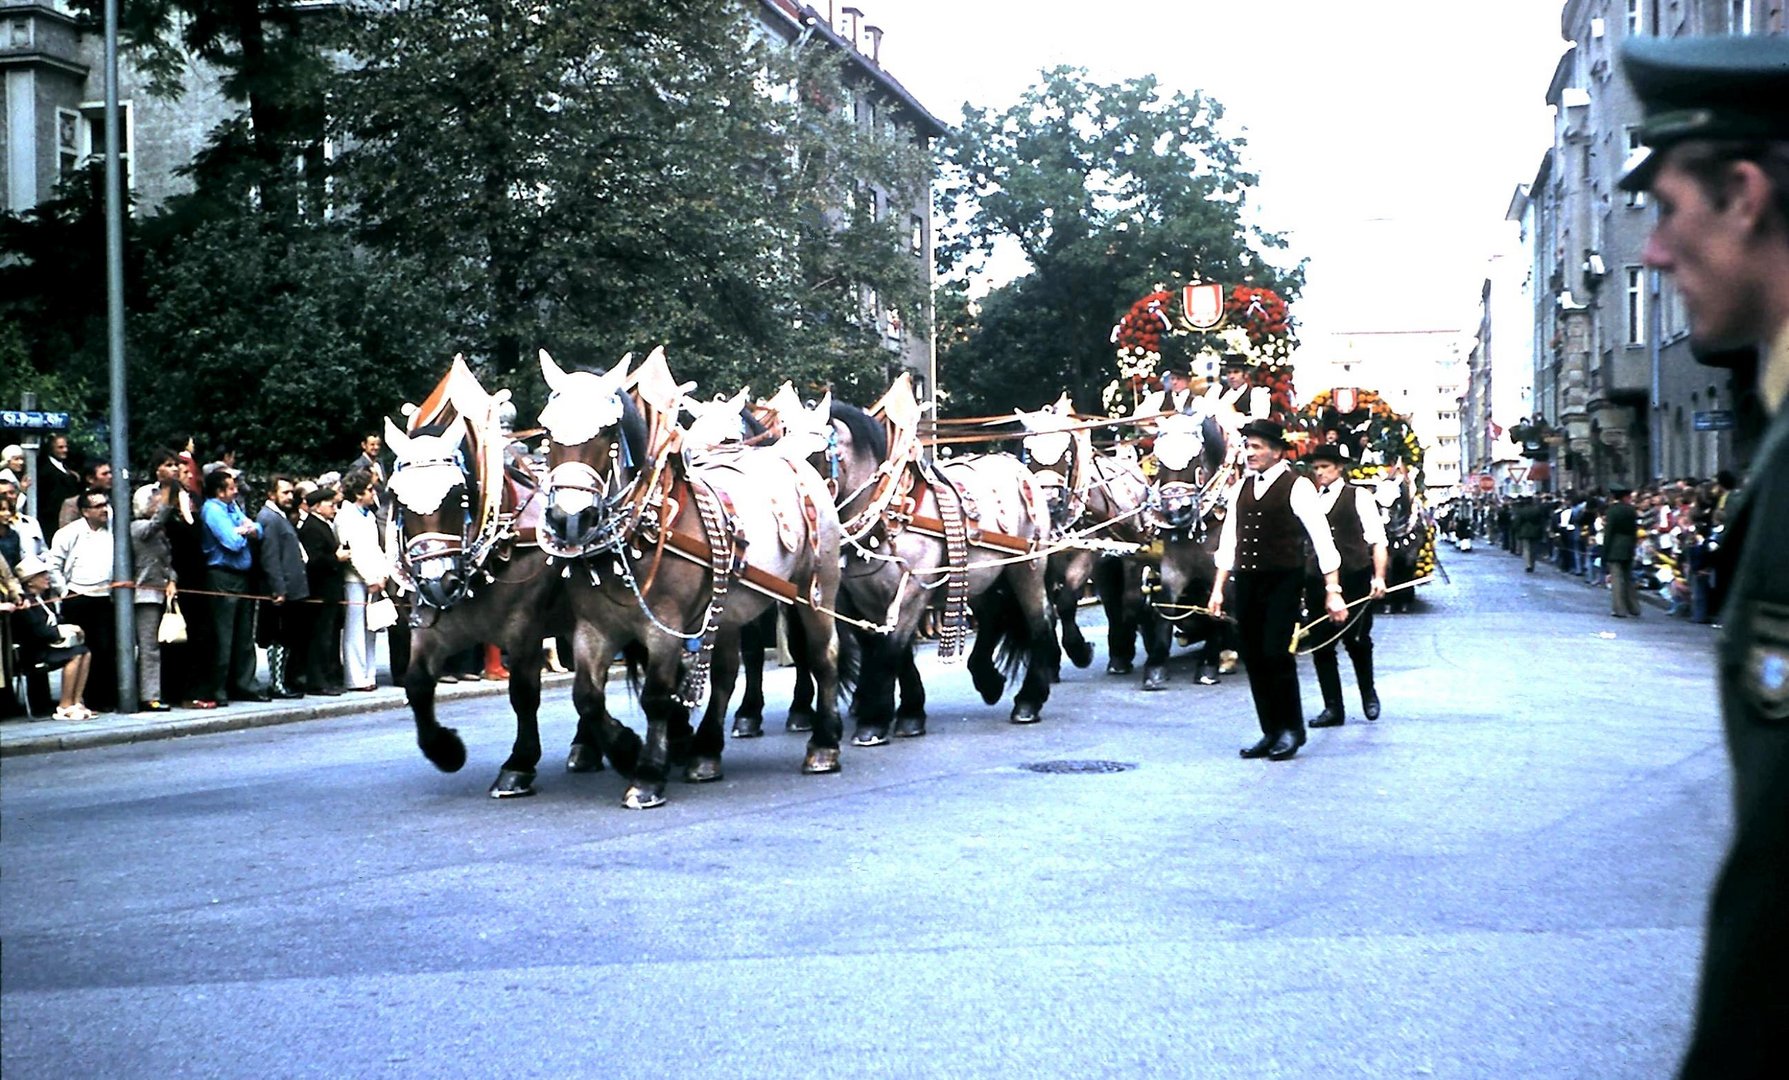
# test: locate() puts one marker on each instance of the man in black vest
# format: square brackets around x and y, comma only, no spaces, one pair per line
[1273,511]
[1621,530]
[1359,536]
[1719,173]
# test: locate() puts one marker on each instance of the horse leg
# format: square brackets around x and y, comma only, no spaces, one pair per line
[748,722]
[1044,655]
[819,654]
[1119,598]
[910,717]
[989,682]
[874,703]
[1158,637]
[596,726]
[658,700]
[704,764]
[1067,594]
[801,706]
[441,745]
[516,777]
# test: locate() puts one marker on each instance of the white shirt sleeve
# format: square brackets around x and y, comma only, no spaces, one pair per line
[1372,526]
[1316,526]
[1226,553]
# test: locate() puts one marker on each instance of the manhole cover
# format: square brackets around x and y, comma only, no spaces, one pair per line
[1078,766]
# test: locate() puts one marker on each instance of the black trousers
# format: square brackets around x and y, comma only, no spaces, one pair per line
[323,657]
[1357,639]
[1267,608]
[233,629]
[93,614]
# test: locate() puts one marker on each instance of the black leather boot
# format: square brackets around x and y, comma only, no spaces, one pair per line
[1363,674]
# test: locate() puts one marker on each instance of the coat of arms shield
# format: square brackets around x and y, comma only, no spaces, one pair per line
[1203,305]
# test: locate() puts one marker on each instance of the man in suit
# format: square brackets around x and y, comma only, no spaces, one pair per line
[1359,536]
[1529,523]
[1621,528]
[283,625]
[323,559]
[58,480]
[1718,172]
[1273,512]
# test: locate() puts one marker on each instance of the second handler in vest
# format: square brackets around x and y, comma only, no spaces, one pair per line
[1273,512]
[1359,536]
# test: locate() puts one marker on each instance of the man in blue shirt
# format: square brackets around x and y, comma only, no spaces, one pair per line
[228,561]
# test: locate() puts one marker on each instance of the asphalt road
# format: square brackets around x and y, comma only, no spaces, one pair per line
[1503,877]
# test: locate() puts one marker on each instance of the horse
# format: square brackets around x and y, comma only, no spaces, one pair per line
[469,553]
[1097,495]
[1407,532]
[961,536]
[675,555]
[1191,476]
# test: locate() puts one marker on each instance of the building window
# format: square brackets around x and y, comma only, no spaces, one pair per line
[1636,17]
[70,134]
[1634,149]
[916,234]
[1739,16]
[1636,305]
[91,137]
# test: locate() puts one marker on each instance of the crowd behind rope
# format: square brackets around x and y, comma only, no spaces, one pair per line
[1678,528]
[291,565]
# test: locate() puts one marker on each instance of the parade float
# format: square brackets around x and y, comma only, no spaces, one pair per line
[1386,454]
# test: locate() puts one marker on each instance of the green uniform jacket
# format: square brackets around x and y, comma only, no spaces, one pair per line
[1620,530]
[1744,1003]
[1530,522]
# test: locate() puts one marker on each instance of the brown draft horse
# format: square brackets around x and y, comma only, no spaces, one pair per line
[675,556]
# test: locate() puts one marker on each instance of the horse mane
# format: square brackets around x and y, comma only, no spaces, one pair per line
[633,429]
[865,429]
[753,426]
[1215,446]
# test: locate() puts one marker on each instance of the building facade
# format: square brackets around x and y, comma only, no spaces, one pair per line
[1613,380]
[1420,374]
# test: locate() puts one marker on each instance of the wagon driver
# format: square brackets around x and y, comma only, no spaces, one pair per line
[1274,512]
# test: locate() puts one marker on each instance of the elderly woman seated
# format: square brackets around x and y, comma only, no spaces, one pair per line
[47,643]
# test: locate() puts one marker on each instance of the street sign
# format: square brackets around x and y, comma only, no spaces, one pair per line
[1487,483]
[1714,420]
[34,420]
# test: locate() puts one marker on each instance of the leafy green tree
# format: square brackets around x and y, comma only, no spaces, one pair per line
[1108,190]
[600,178]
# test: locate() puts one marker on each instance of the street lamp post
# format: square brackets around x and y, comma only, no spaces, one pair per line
[123,599]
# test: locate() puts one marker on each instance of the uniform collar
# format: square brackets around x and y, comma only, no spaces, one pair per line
[1773,378]
[1273,473]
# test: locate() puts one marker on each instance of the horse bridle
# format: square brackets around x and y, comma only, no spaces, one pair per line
[608,494]
[429,547]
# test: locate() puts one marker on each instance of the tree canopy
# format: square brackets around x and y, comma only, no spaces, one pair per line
[1107,190]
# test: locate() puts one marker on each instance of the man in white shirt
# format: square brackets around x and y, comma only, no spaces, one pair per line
[1272,512]
[81,573]
[1176,394]
[1359,535]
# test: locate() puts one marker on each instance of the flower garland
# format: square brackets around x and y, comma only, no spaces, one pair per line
[1257,323]
[1267,320]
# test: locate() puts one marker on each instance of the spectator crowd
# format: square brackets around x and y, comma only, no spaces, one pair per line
[1663,539]
[282,564]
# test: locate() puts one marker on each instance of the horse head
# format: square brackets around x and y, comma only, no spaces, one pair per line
[719,422]
[1055,451]
[1189,454]
[431,486]
[855,447]
[596,451]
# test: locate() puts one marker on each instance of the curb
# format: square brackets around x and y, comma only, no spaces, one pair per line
[17,738]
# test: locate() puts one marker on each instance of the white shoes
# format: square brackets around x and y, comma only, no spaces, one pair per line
[74,712]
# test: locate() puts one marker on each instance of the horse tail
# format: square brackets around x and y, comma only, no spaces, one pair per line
[1005,620]
[633,656]
[850,648]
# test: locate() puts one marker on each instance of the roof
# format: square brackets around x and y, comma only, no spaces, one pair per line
[791,20]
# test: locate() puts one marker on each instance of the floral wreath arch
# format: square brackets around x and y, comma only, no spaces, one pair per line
[1251,321]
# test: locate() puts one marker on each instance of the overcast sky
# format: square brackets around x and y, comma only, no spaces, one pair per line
[1388,136]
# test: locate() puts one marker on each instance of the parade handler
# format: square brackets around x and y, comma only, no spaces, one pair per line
[1359,535]
[1263,547]
[1718,170]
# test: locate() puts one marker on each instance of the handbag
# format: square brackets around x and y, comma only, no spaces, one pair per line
[173,625]
[381,614]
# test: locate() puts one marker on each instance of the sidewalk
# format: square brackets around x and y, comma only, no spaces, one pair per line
[44,735]
[1485,546]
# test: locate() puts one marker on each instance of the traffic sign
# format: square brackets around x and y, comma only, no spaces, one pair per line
[37,420]
[1714,420]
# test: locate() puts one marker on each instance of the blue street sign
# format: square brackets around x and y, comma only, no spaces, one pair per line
[1714,420]
[35,420]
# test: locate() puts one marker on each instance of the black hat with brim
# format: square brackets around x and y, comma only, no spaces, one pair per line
[1705,88]
[1327,452]
[1235,360]
[1264,429]
[1178,367]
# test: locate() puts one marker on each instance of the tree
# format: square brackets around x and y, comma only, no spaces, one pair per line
[600,178]
[1108,190]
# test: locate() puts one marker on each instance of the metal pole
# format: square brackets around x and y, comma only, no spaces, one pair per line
[123,600]
[1655,429]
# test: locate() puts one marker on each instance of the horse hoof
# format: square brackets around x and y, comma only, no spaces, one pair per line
[1155,678]
[1080,655]
[703,770]
[870,736]
[584,758]
[639,798]
[799,721]
[909,727]
[444,750]
[748,727]
[1119,667]
[821,760]
[1026,713]
[513,784]
[990,685]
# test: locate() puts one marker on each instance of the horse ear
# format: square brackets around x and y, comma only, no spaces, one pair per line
[552,372]
[822,410]
[619,371]
[397,440]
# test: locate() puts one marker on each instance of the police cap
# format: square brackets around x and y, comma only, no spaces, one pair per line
[1705,88]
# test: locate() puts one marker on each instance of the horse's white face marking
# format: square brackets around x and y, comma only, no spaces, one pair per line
[716,422]
[1179,440]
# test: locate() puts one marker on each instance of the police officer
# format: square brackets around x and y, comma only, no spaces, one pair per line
[1718,131]
[1359,535]
[1273,512]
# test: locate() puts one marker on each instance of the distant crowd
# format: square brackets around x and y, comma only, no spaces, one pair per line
[1673,550]
[221,567]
